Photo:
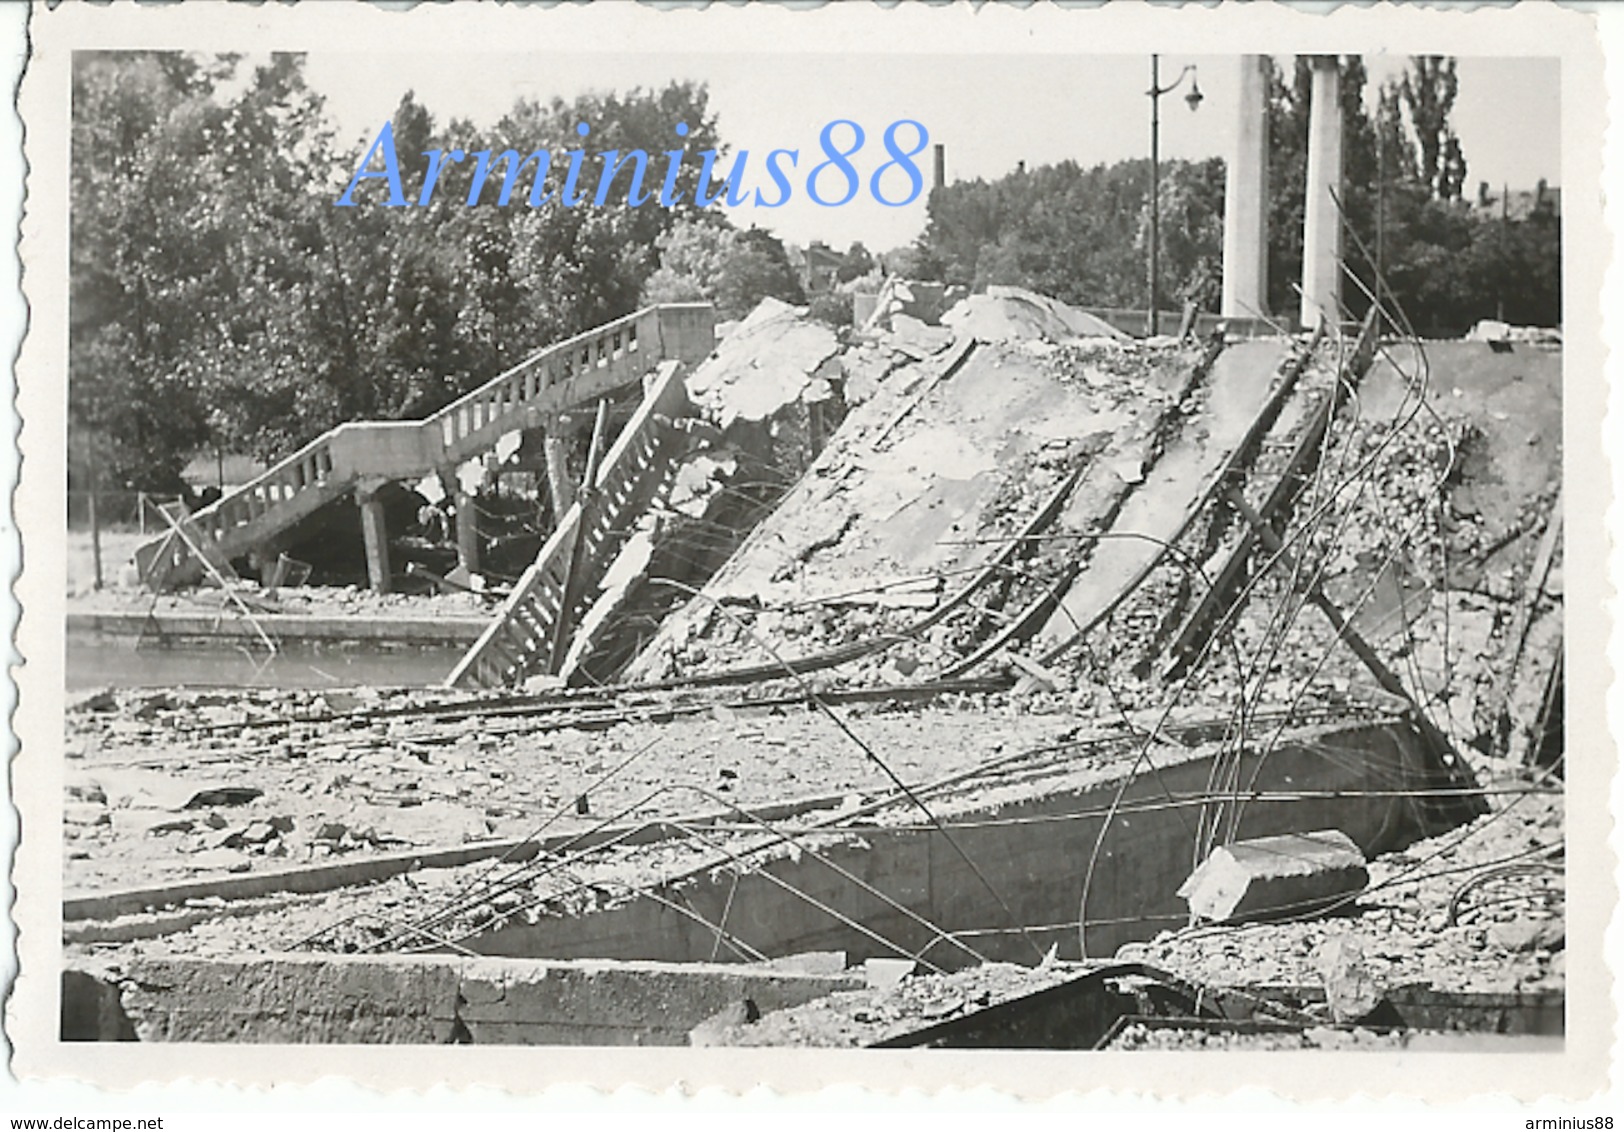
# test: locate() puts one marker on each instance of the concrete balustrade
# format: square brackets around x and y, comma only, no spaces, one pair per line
[571,373]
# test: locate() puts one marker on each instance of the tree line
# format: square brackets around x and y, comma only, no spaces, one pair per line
[1081,234]
[219,301]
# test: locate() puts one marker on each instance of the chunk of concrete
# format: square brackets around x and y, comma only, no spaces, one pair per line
[713,1030]
[810,963]
[1351,990]
[1290,874]
[883,973]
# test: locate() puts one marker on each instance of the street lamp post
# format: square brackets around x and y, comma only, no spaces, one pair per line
[1194,100]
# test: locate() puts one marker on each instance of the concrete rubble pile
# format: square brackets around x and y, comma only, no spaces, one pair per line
[936,470]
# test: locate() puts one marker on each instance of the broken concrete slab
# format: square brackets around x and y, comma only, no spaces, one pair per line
[883,973]
[1165,498]
[766,362]
[1288,874]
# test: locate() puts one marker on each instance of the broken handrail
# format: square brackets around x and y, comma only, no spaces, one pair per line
[177,529]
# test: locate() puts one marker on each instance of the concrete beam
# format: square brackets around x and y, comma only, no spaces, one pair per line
[1342,768]
[559,485]
[425,999]
[1322,220]
[448,630]
[375,533]
[1290,874]
[1246,199]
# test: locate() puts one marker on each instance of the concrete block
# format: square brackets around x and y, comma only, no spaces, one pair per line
[810,963]
[1290,874]
[1351,990]
[883,974]
[423,999]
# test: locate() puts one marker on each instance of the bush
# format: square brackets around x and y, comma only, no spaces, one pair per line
[832,308]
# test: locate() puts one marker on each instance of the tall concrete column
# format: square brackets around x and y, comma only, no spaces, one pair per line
[1246,200]
[467,531]
[375,535]
[556,448]
[1322,223]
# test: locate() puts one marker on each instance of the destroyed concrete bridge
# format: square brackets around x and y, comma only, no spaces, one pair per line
[924,664]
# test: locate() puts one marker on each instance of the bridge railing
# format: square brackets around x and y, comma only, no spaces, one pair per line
[519,639]
[562,376]
[617,353]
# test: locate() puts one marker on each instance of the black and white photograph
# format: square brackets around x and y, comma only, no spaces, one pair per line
[753,548]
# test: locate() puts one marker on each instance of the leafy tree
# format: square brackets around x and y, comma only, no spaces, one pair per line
[692,255]
[182,269]
[1403,170]
[1077,234]
[220,299]
[1428,90]
[832,307]
[708,259]
[757,268]
[856,263]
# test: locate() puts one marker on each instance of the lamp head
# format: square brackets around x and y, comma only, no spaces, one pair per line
[1193,99]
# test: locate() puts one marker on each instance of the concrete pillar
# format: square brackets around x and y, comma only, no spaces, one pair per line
[1246,200]
[1322,223]
[375,533]
[556,448]
[467,531]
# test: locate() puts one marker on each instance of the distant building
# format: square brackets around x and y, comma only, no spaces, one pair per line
[1517,204]
[818,267]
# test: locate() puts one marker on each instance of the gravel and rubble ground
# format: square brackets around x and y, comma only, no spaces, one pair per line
[171,785]
[1506,936]
[1430,557]
[864,1017]
[433,909]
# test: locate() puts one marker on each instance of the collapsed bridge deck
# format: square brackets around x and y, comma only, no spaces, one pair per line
[972,647]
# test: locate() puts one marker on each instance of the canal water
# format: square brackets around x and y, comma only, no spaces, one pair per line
[98,661]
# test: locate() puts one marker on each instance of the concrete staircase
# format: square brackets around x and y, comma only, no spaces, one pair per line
[360,456]
[637,470]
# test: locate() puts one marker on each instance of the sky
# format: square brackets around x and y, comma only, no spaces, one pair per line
[990,112]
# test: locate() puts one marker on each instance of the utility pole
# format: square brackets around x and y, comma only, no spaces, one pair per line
[95,516]
[1155,190]
[1194,100]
